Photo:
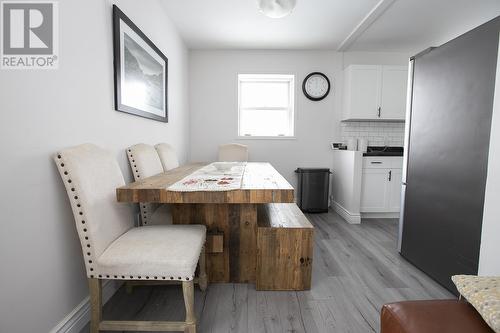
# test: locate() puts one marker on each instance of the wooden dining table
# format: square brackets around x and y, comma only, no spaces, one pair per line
[230,216]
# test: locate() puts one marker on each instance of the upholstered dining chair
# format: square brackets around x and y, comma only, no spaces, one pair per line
[168,156]
[114,249]
[145,162]
[233,152]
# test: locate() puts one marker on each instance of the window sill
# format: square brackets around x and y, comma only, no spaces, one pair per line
[266,138]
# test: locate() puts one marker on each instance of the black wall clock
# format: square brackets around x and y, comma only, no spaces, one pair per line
[316,86]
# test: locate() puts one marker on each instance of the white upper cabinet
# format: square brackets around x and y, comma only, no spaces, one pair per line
[375,92]
[362,91]
[393,93]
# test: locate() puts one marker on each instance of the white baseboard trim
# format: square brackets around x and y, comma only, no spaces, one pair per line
[346,215]
[380,215]
[76,320]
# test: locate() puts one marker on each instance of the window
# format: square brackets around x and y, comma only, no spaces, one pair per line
[266,105]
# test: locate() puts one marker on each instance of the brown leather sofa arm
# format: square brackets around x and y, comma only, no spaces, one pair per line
[433,316]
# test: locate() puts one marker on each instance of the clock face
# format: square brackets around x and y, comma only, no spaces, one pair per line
[316,86]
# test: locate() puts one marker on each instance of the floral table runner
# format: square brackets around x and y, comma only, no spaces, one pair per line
[218,176]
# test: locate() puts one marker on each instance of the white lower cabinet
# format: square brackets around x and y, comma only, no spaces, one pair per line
[380,188]
[374,190]
[395,190]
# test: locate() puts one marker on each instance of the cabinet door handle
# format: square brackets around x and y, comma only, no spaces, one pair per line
[376,162]
[390,175]
[379,110]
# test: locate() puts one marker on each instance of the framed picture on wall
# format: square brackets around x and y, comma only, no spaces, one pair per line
[141,71]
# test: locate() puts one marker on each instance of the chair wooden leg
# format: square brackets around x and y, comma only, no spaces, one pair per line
[203,279]
[95,288]
[188,291]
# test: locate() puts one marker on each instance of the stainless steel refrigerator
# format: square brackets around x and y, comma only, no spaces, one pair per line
[450,104]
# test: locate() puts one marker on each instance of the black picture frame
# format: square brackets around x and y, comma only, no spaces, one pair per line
[151,88]
[312,98]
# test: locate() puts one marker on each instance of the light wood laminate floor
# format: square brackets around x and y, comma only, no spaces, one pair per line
[356,269]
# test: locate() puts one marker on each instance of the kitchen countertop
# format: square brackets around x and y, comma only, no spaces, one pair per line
[384,151]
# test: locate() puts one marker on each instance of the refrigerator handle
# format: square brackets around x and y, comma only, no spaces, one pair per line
[409,99]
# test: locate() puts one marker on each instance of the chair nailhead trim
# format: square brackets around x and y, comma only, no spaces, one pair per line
[77,204]
[131,277]
[90,262]
[135,171]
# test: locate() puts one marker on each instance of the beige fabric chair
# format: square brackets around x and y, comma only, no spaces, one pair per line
[114,249]
[145,162]
[168,156]
[233,152]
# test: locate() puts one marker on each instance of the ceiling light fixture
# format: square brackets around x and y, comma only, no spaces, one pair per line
[276,8]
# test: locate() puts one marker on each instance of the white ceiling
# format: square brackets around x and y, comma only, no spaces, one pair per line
[414,25]
[406,26]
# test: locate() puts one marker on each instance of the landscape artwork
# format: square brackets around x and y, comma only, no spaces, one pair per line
[141,72]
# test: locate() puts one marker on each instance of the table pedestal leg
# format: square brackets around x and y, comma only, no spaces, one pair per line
[238,225]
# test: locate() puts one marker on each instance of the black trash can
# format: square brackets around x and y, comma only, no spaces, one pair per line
[313,189]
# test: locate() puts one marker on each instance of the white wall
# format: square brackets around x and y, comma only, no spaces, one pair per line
[347,184]
[42,274]
[489,261]
[214,98]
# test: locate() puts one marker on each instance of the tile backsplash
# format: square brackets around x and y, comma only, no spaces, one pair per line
[377,133]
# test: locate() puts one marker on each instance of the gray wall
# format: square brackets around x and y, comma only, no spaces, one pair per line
[42,274]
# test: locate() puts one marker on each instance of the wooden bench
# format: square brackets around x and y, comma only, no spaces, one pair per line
[284,248]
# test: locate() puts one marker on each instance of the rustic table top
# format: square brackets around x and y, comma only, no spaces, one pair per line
[261,184]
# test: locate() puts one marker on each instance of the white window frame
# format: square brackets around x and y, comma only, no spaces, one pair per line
[290,109]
